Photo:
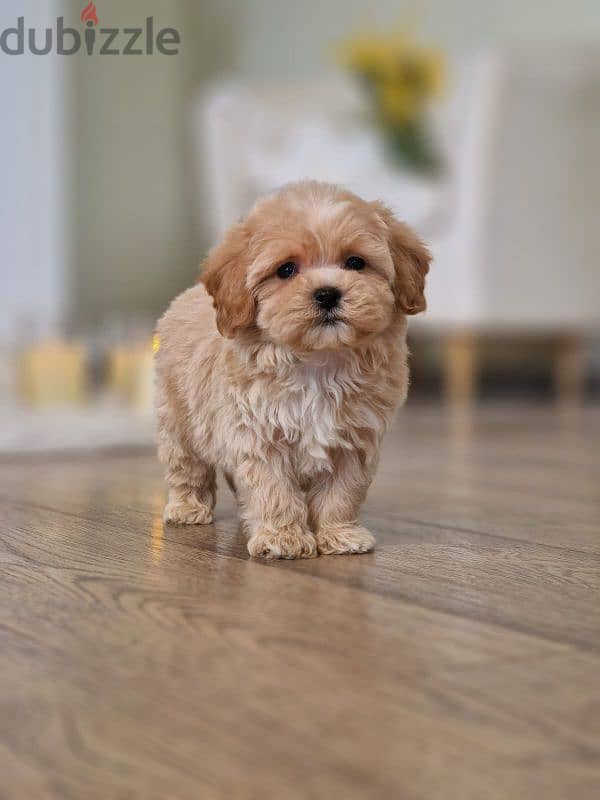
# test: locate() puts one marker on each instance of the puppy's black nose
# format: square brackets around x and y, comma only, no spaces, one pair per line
[327,297]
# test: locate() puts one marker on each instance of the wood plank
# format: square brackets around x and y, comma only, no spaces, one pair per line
[460,660]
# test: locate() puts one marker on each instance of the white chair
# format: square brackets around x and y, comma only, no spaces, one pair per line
[503,220]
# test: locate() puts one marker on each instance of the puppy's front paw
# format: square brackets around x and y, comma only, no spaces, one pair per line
[188,514]
[294,541]
[344,539]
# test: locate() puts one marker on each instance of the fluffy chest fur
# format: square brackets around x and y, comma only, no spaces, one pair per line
[315,406]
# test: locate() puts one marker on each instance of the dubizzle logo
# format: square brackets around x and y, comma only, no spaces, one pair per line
[98,41]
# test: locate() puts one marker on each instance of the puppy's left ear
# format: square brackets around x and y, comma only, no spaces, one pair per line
[224,276]
[411,262]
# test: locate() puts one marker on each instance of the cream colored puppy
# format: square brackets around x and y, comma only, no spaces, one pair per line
[289,382]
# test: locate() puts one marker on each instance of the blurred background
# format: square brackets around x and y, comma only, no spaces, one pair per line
[478,123]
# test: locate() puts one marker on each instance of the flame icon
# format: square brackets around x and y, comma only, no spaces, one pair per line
[89,14]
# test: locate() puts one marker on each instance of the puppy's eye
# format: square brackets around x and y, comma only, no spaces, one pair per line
[355,262]
[286,270]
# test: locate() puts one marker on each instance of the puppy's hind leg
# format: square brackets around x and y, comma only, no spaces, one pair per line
[192,487]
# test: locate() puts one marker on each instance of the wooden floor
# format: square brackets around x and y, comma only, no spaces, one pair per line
[460,660]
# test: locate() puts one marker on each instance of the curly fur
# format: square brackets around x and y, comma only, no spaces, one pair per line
[254,383]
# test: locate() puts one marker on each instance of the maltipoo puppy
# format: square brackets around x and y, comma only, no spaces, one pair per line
[287,379]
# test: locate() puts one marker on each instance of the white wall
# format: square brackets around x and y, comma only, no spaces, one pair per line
[271,37]
[33,191]
[132,215]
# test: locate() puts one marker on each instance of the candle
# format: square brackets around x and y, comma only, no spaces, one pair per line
[53,373]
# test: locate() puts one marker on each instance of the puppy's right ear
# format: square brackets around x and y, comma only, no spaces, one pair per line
[224,276]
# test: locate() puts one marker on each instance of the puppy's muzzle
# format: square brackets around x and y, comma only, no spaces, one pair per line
[327,298]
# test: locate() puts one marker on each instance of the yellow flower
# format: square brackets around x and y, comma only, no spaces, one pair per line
[403,72]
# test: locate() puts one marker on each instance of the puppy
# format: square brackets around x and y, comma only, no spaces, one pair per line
[288,379]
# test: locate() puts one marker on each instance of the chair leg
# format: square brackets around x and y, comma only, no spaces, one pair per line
[460,369]
[569,371]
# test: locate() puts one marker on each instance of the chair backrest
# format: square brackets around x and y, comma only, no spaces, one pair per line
[256,138]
